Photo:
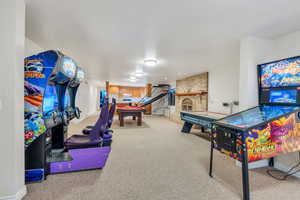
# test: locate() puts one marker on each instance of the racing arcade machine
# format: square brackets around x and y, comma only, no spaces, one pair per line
[268,130]
[70,108]
[46,78]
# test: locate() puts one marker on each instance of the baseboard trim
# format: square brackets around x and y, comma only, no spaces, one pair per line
[18,196]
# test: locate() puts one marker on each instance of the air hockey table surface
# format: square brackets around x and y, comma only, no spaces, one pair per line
[200,118]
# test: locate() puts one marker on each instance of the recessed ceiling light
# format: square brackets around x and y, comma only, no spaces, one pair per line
[150,62]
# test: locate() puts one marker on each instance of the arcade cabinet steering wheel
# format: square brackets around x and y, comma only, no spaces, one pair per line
[77,113]
[65,118]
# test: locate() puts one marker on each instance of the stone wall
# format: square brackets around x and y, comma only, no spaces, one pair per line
[196,83]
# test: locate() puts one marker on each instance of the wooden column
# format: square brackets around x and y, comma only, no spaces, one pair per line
[148,94]
[107,88]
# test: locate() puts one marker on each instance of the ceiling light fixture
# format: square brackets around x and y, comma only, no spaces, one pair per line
[139,74]
[132,79]
[150,62]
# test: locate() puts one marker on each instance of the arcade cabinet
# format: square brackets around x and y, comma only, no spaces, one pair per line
[69,102]
[268,130]
[46,77]
[103,95]
[51,83]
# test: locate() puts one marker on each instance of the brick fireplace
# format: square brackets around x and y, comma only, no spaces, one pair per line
[191,95]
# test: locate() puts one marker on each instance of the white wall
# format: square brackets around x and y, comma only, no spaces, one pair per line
[223,86]
[12,38]
[253,51]
[86,99]
[32,48]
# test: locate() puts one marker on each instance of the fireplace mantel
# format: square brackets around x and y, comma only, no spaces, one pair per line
[191,93]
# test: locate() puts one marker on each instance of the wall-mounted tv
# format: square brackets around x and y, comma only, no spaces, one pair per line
[283,73]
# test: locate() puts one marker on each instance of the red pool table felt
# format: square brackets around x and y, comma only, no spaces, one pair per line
[130,108]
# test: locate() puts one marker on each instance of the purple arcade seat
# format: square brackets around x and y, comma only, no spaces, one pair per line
[112,110]
[95,138]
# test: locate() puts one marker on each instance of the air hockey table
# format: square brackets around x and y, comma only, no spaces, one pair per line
[200,118]
[130,111]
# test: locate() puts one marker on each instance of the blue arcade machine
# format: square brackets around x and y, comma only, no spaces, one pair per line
[51,83]
[69,102]
[103,95]
[47,75]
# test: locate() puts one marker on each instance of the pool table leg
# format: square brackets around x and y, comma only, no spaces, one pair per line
[139,121]
[121,118]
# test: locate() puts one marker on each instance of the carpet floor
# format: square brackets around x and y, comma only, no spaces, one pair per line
[158,162]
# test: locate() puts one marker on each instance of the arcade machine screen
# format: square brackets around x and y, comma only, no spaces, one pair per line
[279,82]
[69,67]
[50,99]
[67,102]
[283,96]
[284,73]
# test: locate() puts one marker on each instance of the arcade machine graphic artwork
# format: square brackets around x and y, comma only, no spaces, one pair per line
[46,78]
[268,130]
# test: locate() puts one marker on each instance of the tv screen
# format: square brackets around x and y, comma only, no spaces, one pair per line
[282,73]
[283,96]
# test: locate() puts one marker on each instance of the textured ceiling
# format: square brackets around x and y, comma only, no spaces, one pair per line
[111,38]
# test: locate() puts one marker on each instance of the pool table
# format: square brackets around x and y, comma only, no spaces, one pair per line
[133,111]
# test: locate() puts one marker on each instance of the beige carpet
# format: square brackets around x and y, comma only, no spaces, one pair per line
[158,162]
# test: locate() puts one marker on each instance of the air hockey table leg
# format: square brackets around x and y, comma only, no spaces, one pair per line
[186,127]
[211,157]
[245,172]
